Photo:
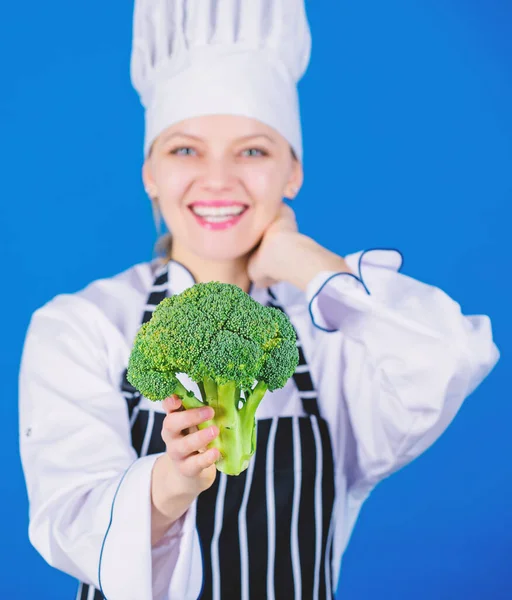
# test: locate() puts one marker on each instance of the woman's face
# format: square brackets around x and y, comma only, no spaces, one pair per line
[218,166]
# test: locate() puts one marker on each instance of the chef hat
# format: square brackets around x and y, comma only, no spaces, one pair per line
[204,57]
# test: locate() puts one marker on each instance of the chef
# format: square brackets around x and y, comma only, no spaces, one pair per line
[116,483]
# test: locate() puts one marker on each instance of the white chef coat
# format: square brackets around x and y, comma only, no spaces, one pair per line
[392,359]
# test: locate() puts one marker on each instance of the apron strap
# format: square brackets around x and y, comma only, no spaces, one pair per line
[157,293]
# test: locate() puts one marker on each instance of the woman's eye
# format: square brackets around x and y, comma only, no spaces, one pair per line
[255,152]
[184,151]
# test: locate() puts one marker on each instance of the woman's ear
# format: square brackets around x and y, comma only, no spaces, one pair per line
[147,179]
[295,180]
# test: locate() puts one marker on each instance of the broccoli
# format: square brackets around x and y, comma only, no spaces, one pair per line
[234,348]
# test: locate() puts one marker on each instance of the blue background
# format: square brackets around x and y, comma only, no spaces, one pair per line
[408,137]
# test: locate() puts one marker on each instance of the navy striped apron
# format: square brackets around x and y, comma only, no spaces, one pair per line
[267,533]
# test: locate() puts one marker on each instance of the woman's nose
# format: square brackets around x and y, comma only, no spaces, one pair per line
[218,175]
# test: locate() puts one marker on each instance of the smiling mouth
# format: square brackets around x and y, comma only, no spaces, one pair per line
[217,211]
[218,217]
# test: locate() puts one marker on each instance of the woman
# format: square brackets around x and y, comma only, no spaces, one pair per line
[123,495]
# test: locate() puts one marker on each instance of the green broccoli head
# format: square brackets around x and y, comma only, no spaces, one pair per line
[234,348]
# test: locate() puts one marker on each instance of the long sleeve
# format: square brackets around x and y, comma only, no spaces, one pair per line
[407,360]
[89,494]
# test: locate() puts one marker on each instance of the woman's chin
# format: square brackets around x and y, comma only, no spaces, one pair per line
[222,252]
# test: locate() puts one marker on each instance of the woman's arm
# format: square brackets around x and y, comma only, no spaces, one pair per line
[407,357]
[402,357]
[168,502]
[186,469]
[91,513]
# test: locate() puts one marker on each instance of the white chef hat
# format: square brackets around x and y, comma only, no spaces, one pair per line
[203,57]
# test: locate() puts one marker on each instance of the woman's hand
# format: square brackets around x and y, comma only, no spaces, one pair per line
[282,232]
[284,254]
[186,444]
[186,469]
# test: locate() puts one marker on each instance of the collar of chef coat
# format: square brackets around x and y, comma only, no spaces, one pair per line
[180,279]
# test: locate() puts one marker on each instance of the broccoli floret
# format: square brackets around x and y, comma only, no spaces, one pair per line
[234,348]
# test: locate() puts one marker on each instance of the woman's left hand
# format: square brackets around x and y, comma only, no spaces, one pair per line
[284,254]
[277,243]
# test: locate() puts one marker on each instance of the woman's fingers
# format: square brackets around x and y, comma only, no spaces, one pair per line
[192,443]
[171,404]
[195,464]
[186,444]
[178,421]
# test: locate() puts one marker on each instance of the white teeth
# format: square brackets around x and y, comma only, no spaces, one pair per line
[216,219]
[218,211]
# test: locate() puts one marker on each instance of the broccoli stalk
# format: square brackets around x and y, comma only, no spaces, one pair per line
[234,348]
[235,419]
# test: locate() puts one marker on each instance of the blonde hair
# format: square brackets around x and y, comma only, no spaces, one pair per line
[163,246]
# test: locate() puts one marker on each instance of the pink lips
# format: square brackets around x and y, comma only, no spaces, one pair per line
[216,203]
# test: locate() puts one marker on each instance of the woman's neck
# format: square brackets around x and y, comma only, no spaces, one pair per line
[203,270]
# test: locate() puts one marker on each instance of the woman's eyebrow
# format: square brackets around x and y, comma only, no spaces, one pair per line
[244,138]
[257,135]
[180,134]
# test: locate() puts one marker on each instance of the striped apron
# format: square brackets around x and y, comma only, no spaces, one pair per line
[266,533]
